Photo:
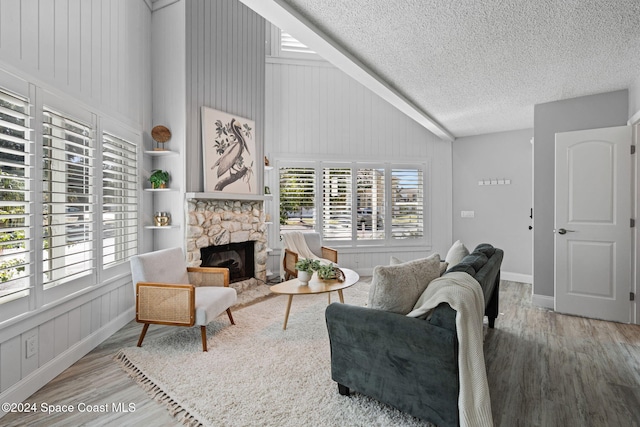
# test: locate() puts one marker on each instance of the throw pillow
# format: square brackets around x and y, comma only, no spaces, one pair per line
[396,288]
[396,261]
[455,254]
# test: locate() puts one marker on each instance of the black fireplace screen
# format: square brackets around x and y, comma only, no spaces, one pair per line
[237,257]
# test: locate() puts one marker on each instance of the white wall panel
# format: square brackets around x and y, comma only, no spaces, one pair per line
[85,48]
[46,338]
[9,354]
[315,111]
[61,334]
[75,320]
[85,315]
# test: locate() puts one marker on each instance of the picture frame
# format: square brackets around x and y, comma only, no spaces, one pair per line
[228,152]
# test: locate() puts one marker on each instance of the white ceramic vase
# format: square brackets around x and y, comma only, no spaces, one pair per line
[304,277]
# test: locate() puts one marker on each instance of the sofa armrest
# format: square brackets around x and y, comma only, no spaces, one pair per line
[406,362]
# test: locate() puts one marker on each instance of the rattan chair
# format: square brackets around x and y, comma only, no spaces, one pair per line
[170,293]
[313,242]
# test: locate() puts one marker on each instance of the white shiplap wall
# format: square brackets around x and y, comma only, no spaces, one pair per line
[92,50]
[316,112]
[225,62]
[168,65]
[95,52]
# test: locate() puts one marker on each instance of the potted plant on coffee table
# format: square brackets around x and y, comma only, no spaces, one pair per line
[330,272]
[306,267]
[159,178]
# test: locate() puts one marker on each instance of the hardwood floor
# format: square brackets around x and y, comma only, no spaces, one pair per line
[544,369]
[549,369]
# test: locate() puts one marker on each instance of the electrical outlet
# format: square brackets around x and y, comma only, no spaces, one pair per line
[467,214]
[32,346]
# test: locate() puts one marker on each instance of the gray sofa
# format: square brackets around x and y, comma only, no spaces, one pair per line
[409,363]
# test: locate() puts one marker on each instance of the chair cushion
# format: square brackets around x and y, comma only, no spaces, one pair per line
[163,266]
[211,301]
[314,243]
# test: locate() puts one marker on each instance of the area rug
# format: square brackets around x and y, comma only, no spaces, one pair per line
[256,373]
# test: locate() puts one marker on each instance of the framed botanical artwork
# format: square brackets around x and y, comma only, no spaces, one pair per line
[228,151]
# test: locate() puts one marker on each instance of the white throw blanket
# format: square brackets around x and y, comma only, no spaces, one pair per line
[295,242]
[464,294]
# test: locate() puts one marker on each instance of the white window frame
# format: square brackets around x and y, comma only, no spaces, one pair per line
[78,113]
[388,240]
[37,295]
[21,278]
[127,242]
[275,36]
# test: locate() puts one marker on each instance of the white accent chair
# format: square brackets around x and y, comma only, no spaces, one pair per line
[165,295]
[313,242]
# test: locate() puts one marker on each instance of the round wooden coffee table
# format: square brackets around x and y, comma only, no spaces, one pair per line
[293,287]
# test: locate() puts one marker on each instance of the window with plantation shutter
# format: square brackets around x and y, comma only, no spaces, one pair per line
[15,196]
[370,205]
[68,198]
[119,196]
[289,44]
[297,198]
[336,203]
[362,204]
[407,203]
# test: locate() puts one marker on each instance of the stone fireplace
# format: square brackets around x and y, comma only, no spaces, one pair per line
[223,223]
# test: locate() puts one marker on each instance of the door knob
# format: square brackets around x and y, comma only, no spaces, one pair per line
[564,231]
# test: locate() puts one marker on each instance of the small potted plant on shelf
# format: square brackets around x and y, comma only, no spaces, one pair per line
[306,267]
[159,178]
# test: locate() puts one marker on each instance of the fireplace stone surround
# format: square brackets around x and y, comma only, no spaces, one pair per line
[214,222]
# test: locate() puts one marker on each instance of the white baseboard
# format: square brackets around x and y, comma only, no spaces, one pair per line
[33,382]
[543,301]
[516,277]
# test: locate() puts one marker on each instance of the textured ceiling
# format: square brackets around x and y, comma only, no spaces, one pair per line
[480,66]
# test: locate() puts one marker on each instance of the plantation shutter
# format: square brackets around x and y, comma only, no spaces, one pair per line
[297,198]
[120,204]
[407,203]
[336,203]
[370,204]
[289,44]
[15,196]
[68,173]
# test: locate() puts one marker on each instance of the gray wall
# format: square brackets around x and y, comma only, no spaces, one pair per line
[587,112]
[634,97]
[225,70]
[501,212]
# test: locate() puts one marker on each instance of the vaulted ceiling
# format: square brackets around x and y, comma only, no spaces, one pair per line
[475,67]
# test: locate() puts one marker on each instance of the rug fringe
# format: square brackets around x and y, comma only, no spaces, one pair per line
[155,392]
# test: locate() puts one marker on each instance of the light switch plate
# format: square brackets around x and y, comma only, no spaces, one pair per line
[467,214]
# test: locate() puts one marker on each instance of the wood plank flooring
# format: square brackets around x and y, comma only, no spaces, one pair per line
[544,369]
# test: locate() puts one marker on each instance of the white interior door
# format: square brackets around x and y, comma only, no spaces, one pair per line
[592,230]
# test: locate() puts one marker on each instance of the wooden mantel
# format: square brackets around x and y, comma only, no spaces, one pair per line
[227,196]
